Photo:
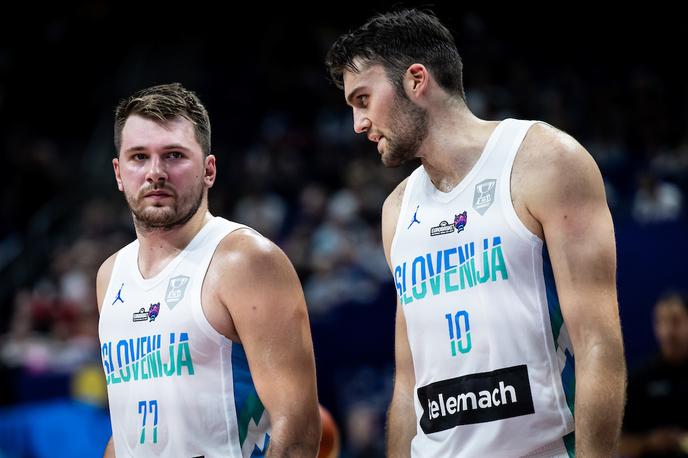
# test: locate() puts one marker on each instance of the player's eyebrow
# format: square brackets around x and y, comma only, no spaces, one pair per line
[352,95]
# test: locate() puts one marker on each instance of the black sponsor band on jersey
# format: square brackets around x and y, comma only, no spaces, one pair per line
[475,398]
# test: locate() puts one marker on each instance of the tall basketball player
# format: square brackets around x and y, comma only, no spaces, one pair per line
[501,247]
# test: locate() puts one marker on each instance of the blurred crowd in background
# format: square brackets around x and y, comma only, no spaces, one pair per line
[290,165]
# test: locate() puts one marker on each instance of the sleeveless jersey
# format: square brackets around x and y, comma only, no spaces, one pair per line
[493,362]
[176,386]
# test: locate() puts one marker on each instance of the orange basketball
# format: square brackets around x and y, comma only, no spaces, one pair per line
[329,441]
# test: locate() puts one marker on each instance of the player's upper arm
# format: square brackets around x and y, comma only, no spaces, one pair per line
[103,279]
[264,297]
[566,195]
[390,215]
[404,374]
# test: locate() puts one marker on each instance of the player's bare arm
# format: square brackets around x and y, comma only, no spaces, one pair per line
[401,418]
[564,192]
[263,295]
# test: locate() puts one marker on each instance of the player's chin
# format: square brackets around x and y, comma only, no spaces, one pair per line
[158,214]
[390,161]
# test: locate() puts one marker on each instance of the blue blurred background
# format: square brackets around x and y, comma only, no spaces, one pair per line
[290,165]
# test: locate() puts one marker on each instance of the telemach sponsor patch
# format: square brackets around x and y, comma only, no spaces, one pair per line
[475,398]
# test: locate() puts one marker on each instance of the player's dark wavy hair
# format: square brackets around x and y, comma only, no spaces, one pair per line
[396,40]
[161,104]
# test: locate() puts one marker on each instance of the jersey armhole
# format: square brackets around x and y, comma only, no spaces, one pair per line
[108,288]
[510,214]
[120,257]
[404,206]
[197,311]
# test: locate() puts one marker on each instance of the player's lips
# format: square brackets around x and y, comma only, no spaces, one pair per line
[157,194]
[380,142]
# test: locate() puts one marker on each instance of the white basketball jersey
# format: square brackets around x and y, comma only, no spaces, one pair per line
[493,361]
[176,387]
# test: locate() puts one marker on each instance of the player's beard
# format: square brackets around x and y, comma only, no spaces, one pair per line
[148,216]
[409,124]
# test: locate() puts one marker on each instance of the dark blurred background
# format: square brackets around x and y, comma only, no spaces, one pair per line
[290,165]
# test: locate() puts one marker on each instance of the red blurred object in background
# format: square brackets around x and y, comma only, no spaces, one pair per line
[329,442]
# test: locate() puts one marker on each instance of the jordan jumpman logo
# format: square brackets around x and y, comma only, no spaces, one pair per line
[415,219]
[119,295]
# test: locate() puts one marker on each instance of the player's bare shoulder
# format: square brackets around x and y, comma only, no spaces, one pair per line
[551,166]
[246,261]
[393,200]
[546,149]
[245,243]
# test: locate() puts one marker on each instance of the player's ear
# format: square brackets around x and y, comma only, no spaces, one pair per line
[118,177]
[416,79]
[210,171]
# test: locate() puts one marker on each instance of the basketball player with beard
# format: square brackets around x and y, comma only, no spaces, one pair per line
[204,332]
[501,247]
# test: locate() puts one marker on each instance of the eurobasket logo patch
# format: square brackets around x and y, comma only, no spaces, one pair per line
[175,290]
[484,195]
[475,398]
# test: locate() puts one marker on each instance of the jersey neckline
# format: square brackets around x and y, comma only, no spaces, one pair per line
[151,282]
[444,197]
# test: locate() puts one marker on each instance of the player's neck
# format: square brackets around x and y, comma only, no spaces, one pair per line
[159,246]
[456,138]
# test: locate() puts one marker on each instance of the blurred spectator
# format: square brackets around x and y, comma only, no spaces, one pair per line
[365,432]
[656,421]
[346,257]
[672,163]
[263,211]
[365,396]
[656,201]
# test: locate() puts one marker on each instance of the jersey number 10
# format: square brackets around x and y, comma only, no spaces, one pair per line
[459,332]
